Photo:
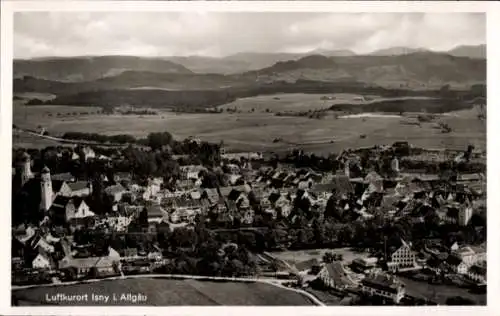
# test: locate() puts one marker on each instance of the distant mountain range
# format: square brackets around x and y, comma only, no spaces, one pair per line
[92,68]
[417,69]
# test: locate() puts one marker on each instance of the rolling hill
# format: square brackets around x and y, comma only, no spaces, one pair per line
[173,85]
[396,51]
[477,52]
[421,68]
[75,69]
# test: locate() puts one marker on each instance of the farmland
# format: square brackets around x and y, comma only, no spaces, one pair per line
[294,256]
[303,102]
[258,130]
[165,292]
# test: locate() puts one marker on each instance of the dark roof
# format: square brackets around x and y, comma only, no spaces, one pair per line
[78,185]
[155,211]
[337,273]
[339,184]
[481,270]
[57,185]
[453,260]
[67,177]
[452,212]
[60,202]
[273,197]
[382,282]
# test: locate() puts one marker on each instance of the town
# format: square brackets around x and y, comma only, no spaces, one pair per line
[378,225]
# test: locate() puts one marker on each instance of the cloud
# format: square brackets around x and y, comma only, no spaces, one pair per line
[38,34]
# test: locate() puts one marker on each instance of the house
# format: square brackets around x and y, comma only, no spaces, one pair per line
[456,264]
[477,273]
[248,217]
[383,286]
[83,267]
[464,214]
[119,223]
[364,265]
[86,153]
[333,275]
[68,209]
[191,172]
[402,258]
[43,261]
[64,177]
[470,255]
[80,188]
[115,192]
[41,243]
[129,253]
[156,213]
[60,187]
[122,176]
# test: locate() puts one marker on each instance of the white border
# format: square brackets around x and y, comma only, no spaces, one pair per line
[493,25]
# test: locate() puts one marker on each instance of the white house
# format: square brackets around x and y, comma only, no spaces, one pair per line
[403,257]
[383,286]
[42,261]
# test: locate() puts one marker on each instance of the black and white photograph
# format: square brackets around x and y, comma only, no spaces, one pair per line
[205,158]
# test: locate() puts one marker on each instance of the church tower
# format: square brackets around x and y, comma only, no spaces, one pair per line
[24,168]
[46,187]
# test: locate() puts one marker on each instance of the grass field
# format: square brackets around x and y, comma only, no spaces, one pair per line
[439,293]
[297,102]
[165,292]
[258,130]
[294,256]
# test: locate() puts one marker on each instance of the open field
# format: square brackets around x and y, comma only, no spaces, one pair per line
[439,293]
[297,102]
[257,131]
[165,292]
[36,95]
[294,256]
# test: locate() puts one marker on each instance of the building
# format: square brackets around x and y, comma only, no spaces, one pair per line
[43,261]
[92,266]
[402,258]
[24,169]
[115,192]
[477,273]
[66,177]
[333,275]
[457,264]
[46,190]
[191,172]
[465,213]
[383,286]
[80,188]
[364,265]
[67,209]
[470,255]
[156,213]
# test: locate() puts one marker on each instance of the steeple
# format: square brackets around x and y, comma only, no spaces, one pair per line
[46,189]
[24,168]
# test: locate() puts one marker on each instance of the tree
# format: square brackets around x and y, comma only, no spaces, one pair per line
[158,140]
[328,257]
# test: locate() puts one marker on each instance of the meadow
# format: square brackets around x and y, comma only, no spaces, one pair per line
[262,131]
[302,102]
[169,292]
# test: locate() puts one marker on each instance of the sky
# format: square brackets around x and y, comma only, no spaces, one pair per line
[217,34]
